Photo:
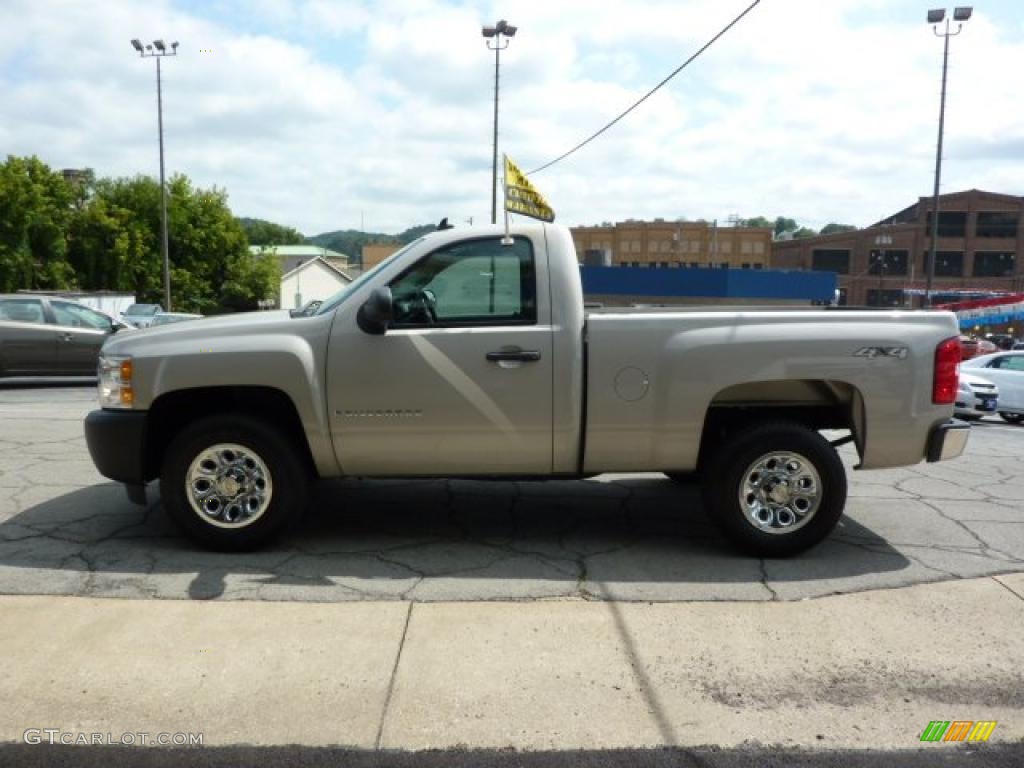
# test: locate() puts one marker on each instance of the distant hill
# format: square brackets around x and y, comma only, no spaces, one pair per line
[347,241]
[351,241]
[263,232]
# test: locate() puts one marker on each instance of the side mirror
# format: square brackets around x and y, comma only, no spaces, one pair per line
[375,314]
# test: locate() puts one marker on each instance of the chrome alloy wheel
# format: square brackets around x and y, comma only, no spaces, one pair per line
[228,485]
[780,492]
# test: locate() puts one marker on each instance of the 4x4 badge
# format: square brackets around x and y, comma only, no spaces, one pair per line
[873,352]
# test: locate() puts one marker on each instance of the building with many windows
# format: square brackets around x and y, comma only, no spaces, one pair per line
[981,237]
[661,243]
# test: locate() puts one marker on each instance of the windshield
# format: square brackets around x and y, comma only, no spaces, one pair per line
[336,300]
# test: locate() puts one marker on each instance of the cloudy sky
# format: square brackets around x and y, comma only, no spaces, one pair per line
[325,114]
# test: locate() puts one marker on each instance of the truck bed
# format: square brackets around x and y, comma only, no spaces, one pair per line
[653,374]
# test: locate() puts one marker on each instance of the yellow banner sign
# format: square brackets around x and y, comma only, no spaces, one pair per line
[521,197]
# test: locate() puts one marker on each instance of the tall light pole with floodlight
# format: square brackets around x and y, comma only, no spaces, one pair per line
[496,32]
[936,17]
[159,53]
[880,260]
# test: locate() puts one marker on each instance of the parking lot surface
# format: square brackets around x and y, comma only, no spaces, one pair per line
[65,530]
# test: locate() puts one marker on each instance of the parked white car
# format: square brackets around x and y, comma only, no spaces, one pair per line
[1006,371]
[975,398]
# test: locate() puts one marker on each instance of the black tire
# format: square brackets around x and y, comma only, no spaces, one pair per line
[285,470]
[725,473]
[968,417]
[1011,418]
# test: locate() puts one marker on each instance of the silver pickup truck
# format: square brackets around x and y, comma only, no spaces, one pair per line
[470,354]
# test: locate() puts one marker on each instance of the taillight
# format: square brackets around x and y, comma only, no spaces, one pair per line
[947,372]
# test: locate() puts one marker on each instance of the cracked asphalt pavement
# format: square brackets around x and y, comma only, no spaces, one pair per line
[66,530]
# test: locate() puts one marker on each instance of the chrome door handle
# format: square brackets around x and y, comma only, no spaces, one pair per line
[65,337]
[514,355]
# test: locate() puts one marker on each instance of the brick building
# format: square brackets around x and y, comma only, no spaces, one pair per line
[375,253]
[981,235]
[662,243]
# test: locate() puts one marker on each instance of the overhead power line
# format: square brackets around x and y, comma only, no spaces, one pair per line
[651,92]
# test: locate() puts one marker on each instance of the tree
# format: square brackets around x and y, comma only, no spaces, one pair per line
[804,232]
[262,232]
[35,207]
[115,244]
[783,224]
[757,221]
[249,279]
[114,238]
[105,234]
[832,228]
[213,267]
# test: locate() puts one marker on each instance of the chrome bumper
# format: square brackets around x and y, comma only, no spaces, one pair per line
[948,440]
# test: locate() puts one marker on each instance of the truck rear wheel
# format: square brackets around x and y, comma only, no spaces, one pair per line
[775,490]
[232,483]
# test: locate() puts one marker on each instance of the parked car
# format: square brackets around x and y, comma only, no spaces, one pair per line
[1005,370]
[1002,341]
[1018,345]
[971,347]
[976,397]
[141,315]
[45,336]
[307,309]
[469,353]
[165,318]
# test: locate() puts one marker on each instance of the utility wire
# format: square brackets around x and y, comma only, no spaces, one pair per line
[651,92]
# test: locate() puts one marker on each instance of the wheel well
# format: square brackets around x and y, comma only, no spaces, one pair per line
[814,404]
[171,413]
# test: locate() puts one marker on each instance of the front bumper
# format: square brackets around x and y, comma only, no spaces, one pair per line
[947,440]
[117,441]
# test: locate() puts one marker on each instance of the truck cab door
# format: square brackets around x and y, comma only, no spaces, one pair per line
[461,382]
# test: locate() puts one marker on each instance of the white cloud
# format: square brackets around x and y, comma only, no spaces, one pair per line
[315,113]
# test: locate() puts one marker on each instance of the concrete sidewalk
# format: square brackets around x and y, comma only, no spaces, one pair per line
[868,670]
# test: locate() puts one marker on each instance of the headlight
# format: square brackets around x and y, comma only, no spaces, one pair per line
[115,381]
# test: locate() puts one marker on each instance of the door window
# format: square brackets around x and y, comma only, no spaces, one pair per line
[1009,363]
[75,316]
[476,282]
[22,310]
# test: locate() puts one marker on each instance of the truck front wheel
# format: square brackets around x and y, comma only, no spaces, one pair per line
[232,482]
[775,490]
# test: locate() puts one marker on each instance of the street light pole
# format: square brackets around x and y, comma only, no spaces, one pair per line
[159,53]
[935,17]
[499,29]
[881,254]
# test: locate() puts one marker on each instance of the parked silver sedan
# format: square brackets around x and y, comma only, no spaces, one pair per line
[977,397]
[46,336]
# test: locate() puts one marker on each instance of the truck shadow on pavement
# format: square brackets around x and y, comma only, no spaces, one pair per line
[629,538]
